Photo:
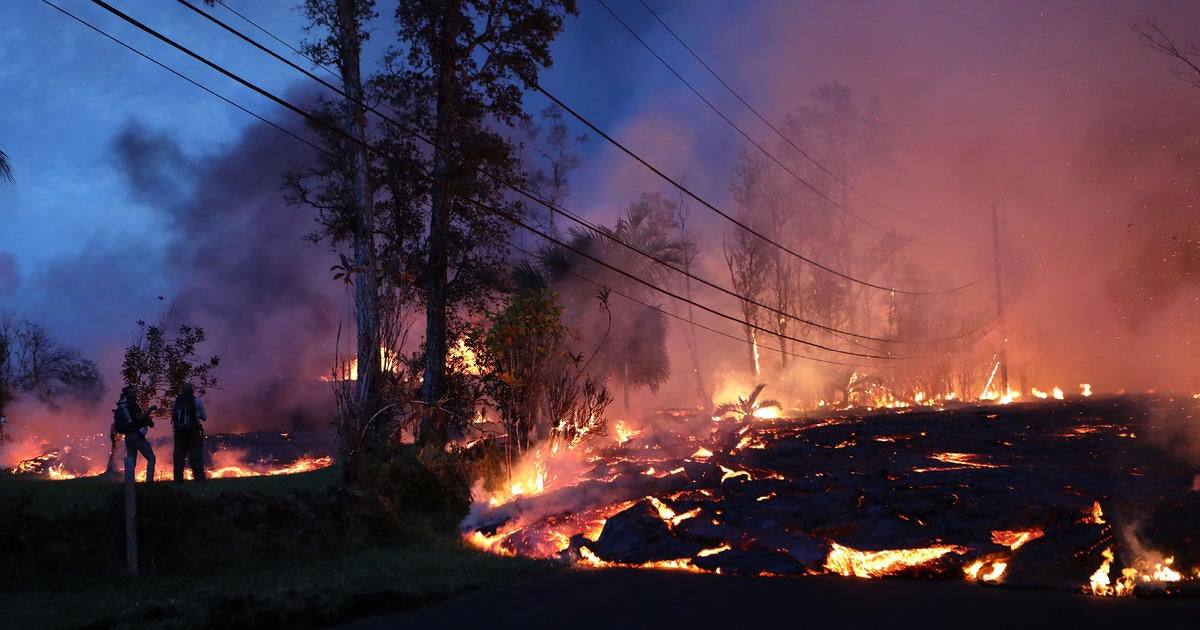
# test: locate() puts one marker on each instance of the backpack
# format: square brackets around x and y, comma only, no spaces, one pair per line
[122,421]
[183,416]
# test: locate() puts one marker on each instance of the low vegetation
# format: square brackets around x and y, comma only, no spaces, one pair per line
[292,550]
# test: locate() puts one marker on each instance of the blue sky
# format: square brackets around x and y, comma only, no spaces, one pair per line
[987,102]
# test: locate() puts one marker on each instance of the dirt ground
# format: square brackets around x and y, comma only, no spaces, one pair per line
[632,598]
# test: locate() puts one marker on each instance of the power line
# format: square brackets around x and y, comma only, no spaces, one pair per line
[696,324]
[550,205]
[771,126]
[590,125]
[496,211]
[787,169]
[299,52]
[181,76]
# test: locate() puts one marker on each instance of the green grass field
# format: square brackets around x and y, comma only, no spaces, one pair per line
[287,550]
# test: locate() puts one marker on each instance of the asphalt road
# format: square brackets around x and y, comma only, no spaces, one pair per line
[614,599]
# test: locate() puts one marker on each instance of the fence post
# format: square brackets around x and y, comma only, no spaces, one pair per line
[131,555]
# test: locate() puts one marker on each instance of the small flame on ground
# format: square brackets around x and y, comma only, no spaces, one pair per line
[1095,516]
[624,433]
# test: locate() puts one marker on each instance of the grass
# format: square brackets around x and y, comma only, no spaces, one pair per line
[247,553]
[299,593]
[51,498]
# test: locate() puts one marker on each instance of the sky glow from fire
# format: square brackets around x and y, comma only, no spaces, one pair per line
[131,184]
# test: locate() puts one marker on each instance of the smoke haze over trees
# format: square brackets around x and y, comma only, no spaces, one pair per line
[1063,116]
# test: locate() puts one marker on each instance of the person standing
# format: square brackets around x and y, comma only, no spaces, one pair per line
[186,415]
[136,423]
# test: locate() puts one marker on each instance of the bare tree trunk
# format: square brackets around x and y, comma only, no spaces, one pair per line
[366,308]
[434,388]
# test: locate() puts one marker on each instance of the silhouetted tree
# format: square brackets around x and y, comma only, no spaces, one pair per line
[32,362]
[1186,53]
[5,167]
[457,76]
[345,195]
[158,365]
[635,351]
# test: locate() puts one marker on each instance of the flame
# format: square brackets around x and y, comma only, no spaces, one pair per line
[624,433]
[702,453]
[389,361]
[1096,515]
[1015,538]
[1163,572]
[766,413]
[1101,583]
[1085,389]
[871,564]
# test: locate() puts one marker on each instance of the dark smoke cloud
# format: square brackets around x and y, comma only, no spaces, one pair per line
[239,266]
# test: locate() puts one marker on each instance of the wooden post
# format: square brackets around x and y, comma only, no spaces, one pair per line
[1000,305]
[131,559]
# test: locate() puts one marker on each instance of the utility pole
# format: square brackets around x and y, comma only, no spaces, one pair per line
[1000,304]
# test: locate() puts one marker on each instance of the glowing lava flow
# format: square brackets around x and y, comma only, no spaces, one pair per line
[872,564]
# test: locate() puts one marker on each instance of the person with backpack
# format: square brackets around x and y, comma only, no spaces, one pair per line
[129,420]
[186,415]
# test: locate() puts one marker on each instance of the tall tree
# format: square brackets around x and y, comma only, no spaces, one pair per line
[804,203]
[348,201]
[458,74]
[745,256]
[552,159]
[691,248]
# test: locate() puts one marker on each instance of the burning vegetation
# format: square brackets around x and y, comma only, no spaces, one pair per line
[988,493]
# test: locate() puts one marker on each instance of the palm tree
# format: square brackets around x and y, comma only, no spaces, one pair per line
[636,354]
[5,167]
[746,407]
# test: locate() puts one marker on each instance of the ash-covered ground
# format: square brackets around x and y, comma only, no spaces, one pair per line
[1090,494]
